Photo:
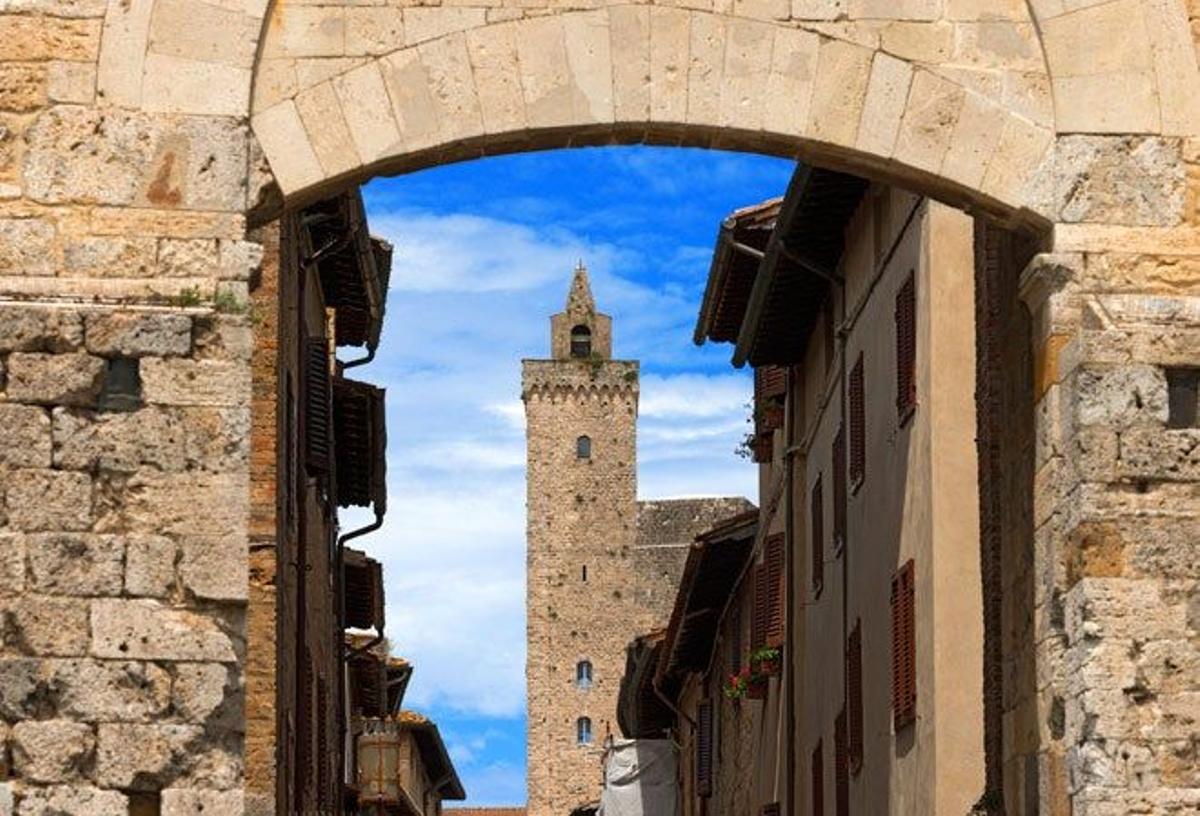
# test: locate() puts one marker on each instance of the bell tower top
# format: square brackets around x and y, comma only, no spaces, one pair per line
[579,331]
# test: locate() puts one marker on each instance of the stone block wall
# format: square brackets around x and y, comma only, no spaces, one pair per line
[1115,513]
[122,614]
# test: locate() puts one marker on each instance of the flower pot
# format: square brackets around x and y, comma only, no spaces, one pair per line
[764,447]
[772,417]
[756,689]
[772,667]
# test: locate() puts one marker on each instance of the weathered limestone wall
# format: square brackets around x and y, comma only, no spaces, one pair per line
[123,611]
[127,168]
[1116,512]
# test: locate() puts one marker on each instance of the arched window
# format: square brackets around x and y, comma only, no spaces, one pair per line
[583,447]
[581,341]
[583,674]
[583,731]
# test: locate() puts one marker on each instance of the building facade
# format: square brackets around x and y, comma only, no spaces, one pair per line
[602,566]
[858,305]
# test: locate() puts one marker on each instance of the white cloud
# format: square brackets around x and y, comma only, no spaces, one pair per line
[471,297]
[471,253]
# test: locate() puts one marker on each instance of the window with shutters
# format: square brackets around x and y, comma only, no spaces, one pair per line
[704,749]
[758,623]
[818,780]
[906,349]
[858,425]
[841,766]
[854,697]
[583,731]
[816,512]
[839,491]
[770,389]
[735,640]
[904,648]
[773,562]
[324,799]
[318,420]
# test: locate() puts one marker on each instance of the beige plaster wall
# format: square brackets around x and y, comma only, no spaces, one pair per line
[906,507]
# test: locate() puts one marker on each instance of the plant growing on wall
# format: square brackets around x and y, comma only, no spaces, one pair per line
[745,683]
[767,661]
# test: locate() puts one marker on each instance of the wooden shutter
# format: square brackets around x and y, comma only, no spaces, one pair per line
[858,424]
[904,648]
[758,625]
[817,522]
[773,561]
[324,800]
[770,388]
[906,348]
[854,697]
[841,765]
[839,490]
[735,640]
[770,381]
[704,749]
[818,781]
[318,422]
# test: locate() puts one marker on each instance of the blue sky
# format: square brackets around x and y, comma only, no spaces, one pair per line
[484,255]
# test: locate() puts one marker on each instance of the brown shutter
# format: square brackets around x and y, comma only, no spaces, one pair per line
[904,654]
[704,749]
[770,387]
[758,625]
[839,490]
[817,520]
[818,781]
[906,348]
[735,641]
[318,431]
[773,561]
[841,765]
[324,800]
[854,695]
[770,381]
[858,424]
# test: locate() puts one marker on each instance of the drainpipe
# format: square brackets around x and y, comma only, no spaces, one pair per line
[341,548]
[370,355]
[671,705]
[789,645]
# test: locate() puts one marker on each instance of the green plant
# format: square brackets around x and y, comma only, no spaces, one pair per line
[745,448]
[187,297]
[226,301]
[764,654]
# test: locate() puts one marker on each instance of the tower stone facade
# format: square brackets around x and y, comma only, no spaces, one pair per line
[602,567]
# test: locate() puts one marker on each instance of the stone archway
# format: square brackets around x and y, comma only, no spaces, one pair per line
[145,131]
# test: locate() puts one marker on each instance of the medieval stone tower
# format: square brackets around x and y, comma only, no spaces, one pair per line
[602,566]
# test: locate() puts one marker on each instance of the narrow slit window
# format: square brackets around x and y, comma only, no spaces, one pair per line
[583,573]
[583,674]
[581,342]
[583,731]
[583,447]
[1183,397]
